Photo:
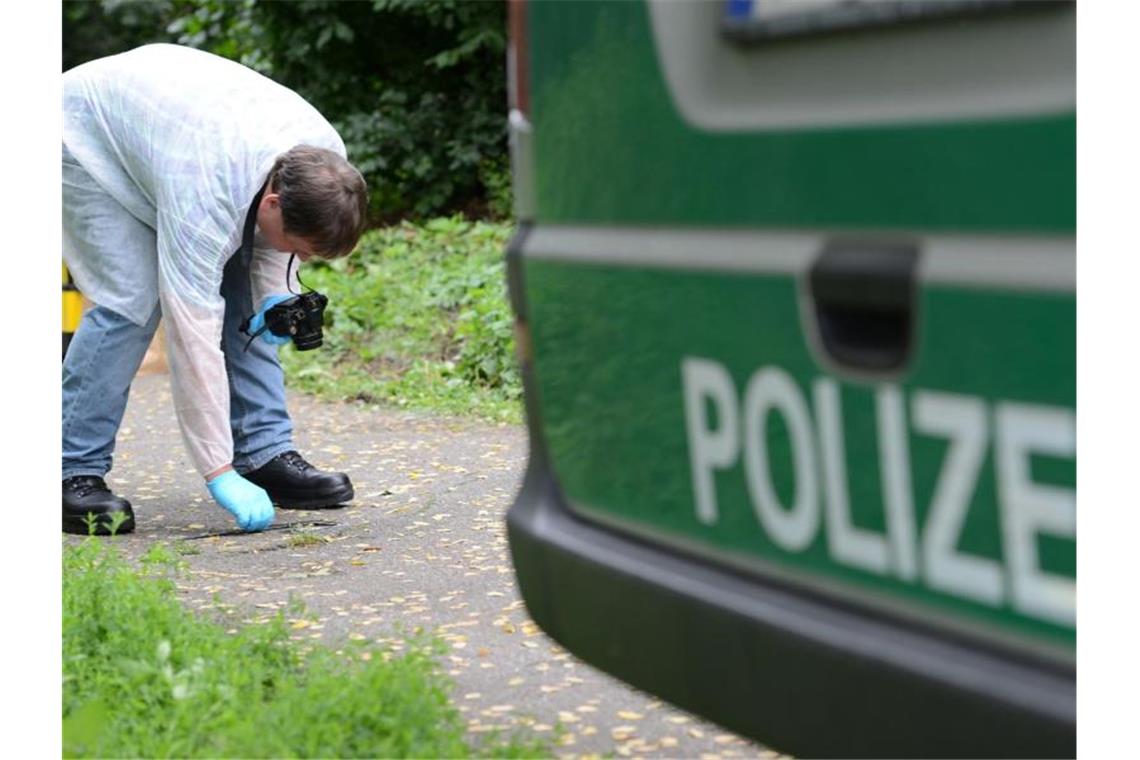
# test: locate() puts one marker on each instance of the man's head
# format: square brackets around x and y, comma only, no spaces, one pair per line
[314,204]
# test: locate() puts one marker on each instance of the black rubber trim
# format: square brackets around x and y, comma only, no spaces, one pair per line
[797,673]
[301,498]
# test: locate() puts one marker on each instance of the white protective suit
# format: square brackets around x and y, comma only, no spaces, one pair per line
[183,140]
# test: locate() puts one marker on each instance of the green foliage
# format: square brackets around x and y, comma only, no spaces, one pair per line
[415,87]
[418,317]
[95,29]
[495,174]
[143,677]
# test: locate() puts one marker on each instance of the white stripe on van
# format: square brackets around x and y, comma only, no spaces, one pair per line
[1008,262]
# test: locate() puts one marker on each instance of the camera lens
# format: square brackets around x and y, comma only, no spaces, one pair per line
[308,341]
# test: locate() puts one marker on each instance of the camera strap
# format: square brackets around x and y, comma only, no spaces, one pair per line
[246,254]
[246,250]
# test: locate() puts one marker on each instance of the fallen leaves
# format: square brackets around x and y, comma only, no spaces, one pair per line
[622,733]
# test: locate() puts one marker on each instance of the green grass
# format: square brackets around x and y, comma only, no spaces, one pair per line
[302,537]
[418,318]
[144,677]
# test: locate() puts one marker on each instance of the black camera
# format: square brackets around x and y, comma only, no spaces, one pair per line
[300,318]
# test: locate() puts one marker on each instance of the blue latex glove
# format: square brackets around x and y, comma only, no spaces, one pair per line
[257,321]
[248,503]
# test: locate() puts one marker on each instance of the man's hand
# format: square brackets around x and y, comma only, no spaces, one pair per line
[257,321]
[248,503]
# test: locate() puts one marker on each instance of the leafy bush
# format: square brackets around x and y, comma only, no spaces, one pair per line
[418,317]
[417,89]
[143,677]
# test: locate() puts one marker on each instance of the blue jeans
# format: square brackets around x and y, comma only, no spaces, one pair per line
[106,351]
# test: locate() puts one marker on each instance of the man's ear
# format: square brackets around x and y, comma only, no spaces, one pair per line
[271,201]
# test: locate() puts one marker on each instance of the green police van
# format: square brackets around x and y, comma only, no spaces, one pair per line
[795,291]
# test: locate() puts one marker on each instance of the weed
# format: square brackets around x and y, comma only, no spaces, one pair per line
[301,537]
[186,549]
[117,520]
[91,520]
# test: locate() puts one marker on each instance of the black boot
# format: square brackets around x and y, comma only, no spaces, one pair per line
[293,483]
[86,495]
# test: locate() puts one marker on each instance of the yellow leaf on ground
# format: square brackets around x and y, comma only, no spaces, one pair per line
[622,733]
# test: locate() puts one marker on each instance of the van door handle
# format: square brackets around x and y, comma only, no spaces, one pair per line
[863,295]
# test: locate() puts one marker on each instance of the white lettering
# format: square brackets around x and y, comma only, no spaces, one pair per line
[894,458]
[792,528]
[709,449]
[725,429]
[961,419]
[1030,508]
[848,544]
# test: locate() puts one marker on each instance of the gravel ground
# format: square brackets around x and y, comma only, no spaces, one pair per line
[423,546]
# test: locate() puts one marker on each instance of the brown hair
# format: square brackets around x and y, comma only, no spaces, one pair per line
[323,199]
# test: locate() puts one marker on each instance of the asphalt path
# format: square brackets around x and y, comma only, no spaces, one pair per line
[423,547]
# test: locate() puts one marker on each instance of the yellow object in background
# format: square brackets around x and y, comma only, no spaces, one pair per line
[72,308]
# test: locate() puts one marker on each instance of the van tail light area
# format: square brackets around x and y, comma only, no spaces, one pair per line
[519,121]
[518,59]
